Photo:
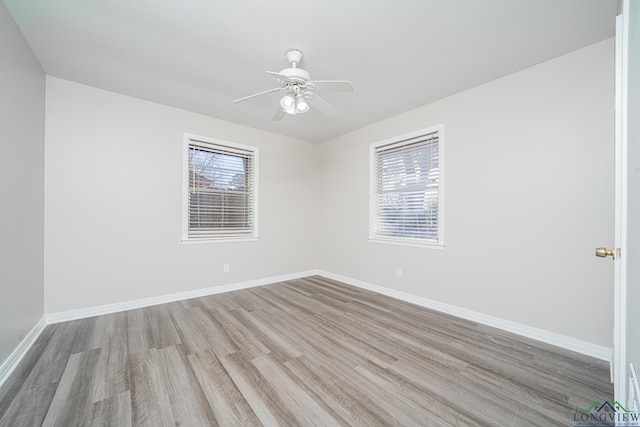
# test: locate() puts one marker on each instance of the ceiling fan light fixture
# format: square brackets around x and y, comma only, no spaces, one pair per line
[288,102]
[301,104]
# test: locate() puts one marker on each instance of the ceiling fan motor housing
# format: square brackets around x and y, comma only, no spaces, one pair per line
[297,75]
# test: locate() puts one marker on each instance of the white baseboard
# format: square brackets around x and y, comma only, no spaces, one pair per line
[14,358]
[65,316]
[562,341]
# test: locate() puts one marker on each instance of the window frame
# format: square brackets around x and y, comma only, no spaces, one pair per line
[191,139]
[373,218]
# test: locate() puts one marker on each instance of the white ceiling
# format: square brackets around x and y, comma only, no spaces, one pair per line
[199,55]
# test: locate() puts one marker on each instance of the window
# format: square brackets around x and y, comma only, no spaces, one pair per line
[220,190]
[406,189]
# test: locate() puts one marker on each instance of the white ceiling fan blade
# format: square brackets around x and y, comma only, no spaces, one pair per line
[275,89]
[323,106]
[334,85]
[278,75]
[279,115]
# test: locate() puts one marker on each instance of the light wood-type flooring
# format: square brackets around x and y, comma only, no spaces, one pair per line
[310,351]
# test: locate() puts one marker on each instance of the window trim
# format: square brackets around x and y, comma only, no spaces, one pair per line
[192,139]
[407,241]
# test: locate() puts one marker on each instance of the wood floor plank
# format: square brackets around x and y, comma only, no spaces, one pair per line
[421,400]
[258,392]
[452,396]
[165,390]
[33,397]
[200,332]
[187,400]
[322,346]
[150,327]
[351,408]
[72,402]
[305,407]
[30,405]
[242,338]
[309,351]
[150,400]
[111,376]
[228,405]
[402,412]
[25,369]
[274,338]
[114,411]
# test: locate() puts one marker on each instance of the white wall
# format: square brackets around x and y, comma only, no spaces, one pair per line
[22,93]
[113,202]
[528,196]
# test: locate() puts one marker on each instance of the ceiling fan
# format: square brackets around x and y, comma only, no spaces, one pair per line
[300,90]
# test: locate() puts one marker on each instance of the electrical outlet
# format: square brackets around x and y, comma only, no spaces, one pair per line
[399,272]
[226,267]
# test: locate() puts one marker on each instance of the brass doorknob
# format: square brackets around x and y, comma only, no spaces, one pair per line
[604,252]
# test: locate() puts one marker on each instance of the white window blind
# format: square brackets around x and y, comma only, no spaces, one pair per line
[406,190]
[221,191]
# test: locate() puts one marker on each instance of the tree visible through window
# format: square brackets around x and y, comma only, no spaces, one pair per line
[221,190]
[406,189]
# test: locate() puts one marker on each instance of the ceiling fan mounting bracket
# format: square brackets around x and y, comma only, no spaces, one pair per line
[294,56]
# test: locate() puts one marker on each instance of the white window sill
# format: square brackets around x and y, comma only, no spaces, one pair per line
[219,240]
[410,243]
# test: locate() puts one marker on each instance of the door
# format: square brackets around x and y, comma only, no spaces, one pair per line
[626,345]
[619,252]
[629,351]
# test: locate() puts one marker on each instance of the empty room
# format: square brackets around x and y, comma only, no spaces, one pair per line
[337,213]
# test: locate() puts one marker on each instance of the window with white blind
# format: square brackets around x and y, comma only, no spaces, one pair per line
[220,190]
[406,189]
